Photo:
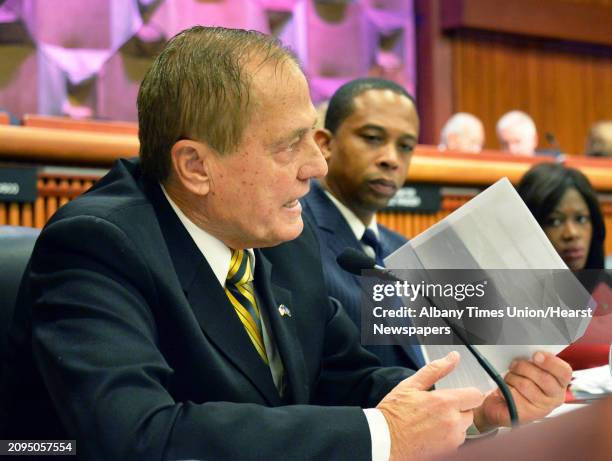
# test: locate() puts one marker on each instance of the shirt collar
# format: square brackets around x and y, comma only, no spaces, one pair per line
[216,253]
[351,218]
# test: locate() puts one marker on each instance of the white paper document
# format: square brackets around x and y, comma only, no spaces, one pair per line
[593,381]
[494,230]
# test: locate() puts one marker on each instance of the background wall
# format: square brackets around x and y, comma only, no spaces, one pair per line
[550,58]
[86,58]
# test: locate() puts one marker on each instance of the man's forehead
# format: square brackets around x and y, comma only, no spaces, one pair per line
[379,98]
[268,76]
[279,97]
[380,103]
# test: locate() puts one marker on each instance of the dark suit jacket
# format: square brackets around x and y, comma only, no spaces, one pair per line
[335,235]
[142,355]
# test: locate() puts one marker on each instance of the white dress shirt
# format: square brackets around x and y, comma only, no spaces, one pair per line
[356,225]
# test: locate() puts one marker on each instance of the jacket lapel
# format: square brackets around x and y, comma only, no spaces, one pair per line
[213,311]
[274,297]
[339,236]
[330,220]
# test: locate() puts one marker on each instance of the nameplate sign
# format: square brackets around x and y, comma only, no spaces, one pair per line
[424,198]
[18,184]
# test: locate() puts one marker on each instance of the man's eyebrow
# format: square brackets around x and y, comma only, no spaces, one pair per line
[297,133]
[371,126]
[410,137]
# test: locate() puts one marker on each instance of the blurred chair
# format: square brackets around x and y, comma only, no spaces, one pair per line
[16,244]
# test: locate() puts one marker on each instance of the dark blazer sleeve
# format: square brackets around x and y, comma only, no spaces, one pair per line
[98,346]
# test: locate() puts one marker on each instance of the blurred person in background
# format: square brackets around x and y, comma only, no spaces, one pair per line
[565,204]
[462,132]
[599,142]
[517,133]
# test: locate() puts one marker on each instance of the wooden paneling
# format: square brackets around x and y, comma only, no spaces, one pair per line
[434,76]
[46,145]
[67,123]
[52,147]
[412,224]
[54,190]
[559,20]
[565,85]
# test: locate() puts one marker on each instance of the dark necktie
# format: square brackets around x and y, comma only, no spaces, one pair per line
[239,290]
[369,238]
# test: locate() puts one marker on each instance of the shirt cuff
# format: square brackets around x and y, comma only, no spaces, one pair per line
[379,433]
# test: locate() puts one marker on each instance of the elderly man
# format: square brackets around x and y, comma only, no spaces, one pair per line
[160,329]
[462,132]
[517,133]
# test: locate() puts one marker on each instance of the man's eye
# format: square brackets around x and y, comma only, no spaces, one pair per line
[372,138]
[406,148]
[293,144]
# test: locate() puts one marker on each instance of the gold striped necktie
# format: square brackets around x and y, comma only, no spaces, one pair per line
[239,290]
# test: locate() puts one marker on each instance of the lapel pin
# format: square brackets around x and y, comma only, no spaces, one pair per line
[284,310]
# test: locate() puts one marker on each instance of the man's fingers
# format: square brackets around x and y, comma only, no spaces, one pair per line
[434,371]
[557,367]
[545,381]
[464,398]
[467,419]
[527,388]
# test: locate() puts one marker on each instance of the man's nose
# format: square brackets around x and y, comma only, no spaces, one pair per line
[389,157]
[315,165]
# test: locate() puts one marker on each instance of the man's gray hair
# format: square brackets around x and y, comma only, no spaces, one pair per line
[456,124]
[516,118]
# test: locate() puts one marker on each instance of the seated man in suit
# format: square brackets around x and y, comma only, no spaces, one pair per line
[177,310]
[371,129]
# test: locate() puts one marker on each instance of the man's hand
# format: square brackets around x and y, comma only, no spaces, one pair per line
[538,386]
[426,423]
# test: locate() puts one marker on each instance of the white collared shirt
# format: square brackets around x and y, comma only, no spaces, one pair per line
[218,256]
[355,224]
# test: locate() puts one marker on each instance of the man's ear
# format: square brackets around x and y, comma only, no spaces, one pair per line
[191,161]
[324,139]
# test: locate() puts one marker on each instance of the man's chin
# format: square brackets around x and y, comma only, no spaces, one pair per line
[288,232]
[375,204]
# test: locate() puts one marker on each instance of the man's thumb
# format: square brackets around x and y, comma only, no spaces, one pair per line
[434,371]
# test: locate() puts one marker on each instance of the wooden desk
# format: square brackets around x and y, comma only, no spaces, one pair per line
[460,175]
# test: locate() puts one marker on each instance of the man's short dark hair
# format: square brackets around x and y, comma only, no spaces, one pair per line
[197,88]
[341,104]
